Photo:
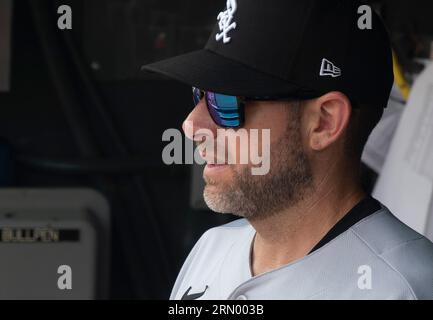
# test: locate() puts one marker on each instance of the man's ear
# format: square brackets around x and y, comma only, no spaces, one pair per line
[330,116]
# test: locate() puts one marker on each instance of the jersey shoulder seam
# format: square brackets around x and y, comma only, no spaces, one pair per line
[372,216]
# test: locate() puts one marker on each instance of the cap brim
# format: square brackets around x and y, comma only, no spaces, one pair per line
[209,71]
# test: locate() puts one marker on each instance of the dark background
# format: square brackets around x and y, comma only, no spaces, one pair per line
[78,98]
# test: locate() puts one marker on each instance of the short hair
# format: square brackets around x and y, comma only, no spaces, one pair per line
[362,121]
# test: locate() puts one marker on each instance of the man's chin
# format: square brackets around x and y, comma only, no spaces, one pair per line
[212,190]
[215,199]
[222,192]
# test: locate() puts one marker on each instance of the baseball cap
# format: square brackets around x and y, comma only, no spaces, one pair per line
[299,48]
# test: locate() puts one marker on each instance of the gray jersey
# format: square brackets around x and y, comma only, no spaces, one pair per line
[377,258]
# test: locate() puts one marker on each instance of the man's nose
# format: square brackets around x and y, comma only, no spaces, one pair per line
[198,119]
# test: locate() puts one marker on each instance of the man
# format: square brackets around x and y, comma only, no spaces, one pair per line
[318,76]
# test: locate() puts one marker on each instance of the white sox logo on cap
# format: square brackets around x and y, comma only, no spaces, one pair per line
[226,23]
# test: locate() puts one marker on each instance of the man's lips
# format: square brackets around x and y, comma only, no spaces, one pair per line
[212,169]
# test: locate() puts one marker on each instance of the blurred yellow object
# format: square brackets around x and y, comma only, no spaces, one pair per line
[399,78]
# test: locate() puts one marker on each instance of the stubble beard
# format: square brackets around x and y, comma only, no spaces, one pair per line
[259,197]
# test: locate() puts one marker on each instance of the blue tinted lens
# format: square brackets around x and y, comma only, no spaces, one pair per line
[197,95]
[224,110]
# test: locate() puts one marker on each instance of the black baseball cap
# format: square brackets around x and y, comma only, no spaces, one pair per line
[299,48]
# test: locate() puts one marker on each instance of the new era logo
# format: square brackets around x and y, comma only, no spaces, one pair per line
[329,69]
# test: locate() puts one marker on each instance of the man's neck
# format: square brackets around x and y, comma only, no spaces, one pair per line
[292,234]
